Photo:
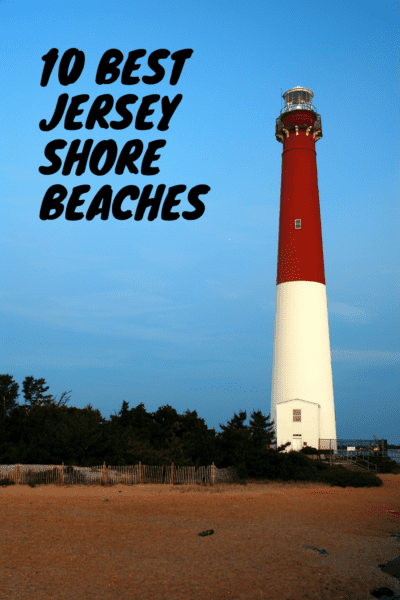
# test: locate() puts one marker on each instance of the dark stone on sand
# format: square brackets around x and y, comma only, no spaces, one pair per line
[383,593]
[314,548]
[207,532]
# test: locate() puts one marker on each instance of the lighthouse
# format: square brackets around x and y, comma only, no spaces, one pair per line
[302,404]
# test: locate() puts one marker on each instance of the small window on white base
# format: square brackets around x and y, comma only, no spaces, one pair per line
[297,223]
[297,414]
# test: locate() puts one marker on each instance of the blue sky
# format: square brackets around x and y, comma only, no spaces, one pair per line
[182,312]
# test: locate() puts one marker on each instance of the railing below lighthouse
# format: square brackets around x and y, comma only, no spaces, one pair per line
[315,129]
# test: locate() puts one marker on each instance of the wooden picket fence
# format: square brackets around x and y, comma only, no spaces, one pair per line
[123,474]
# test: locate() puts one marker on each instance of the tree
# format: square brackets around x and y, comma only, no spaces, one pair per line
[34,393]
[235,440]
[248,448]
[16,427]
[86,440]
[162,425]
[8,394]
[262,433]
[124,417]
[33,390]
[67,435]
[183,439]
[200,444]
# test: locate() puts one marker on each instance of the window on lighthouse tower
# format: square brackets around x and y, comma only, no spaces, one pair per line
[297,223]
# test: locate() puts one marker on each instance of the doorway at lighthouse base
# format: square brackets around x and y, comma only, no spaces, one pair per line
[298,422]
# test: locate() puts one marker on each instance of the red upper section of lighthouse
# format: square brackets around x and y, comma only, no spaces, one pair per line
[300,253]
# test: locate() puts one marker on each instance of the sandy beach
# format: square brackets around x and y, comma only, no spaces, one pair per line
[77,542]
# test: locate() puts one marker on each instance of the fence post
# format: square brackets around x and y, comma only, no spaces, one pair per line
[140,472]
[212,473]
[104,472]
[62,474]
[172,473]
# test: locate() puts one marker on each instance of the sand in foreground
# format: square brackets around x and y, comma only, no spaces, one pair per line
[142,542]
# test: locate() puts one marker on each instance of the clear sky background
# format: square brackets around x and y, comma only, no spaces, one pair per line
[182,312]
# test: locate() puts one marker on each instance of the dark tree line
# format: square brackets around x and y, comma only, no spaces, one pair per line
[44,431]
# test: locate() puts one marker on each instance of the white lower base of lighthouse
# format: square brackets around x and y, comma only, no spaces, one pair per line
[302,404]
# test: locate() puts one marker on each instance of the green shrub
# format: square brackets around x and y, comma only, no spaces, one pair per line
[6,481]
[311,450]
[384,464]
[238,480]
[34,478]
[342,477]
[74,476]
[297,466]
